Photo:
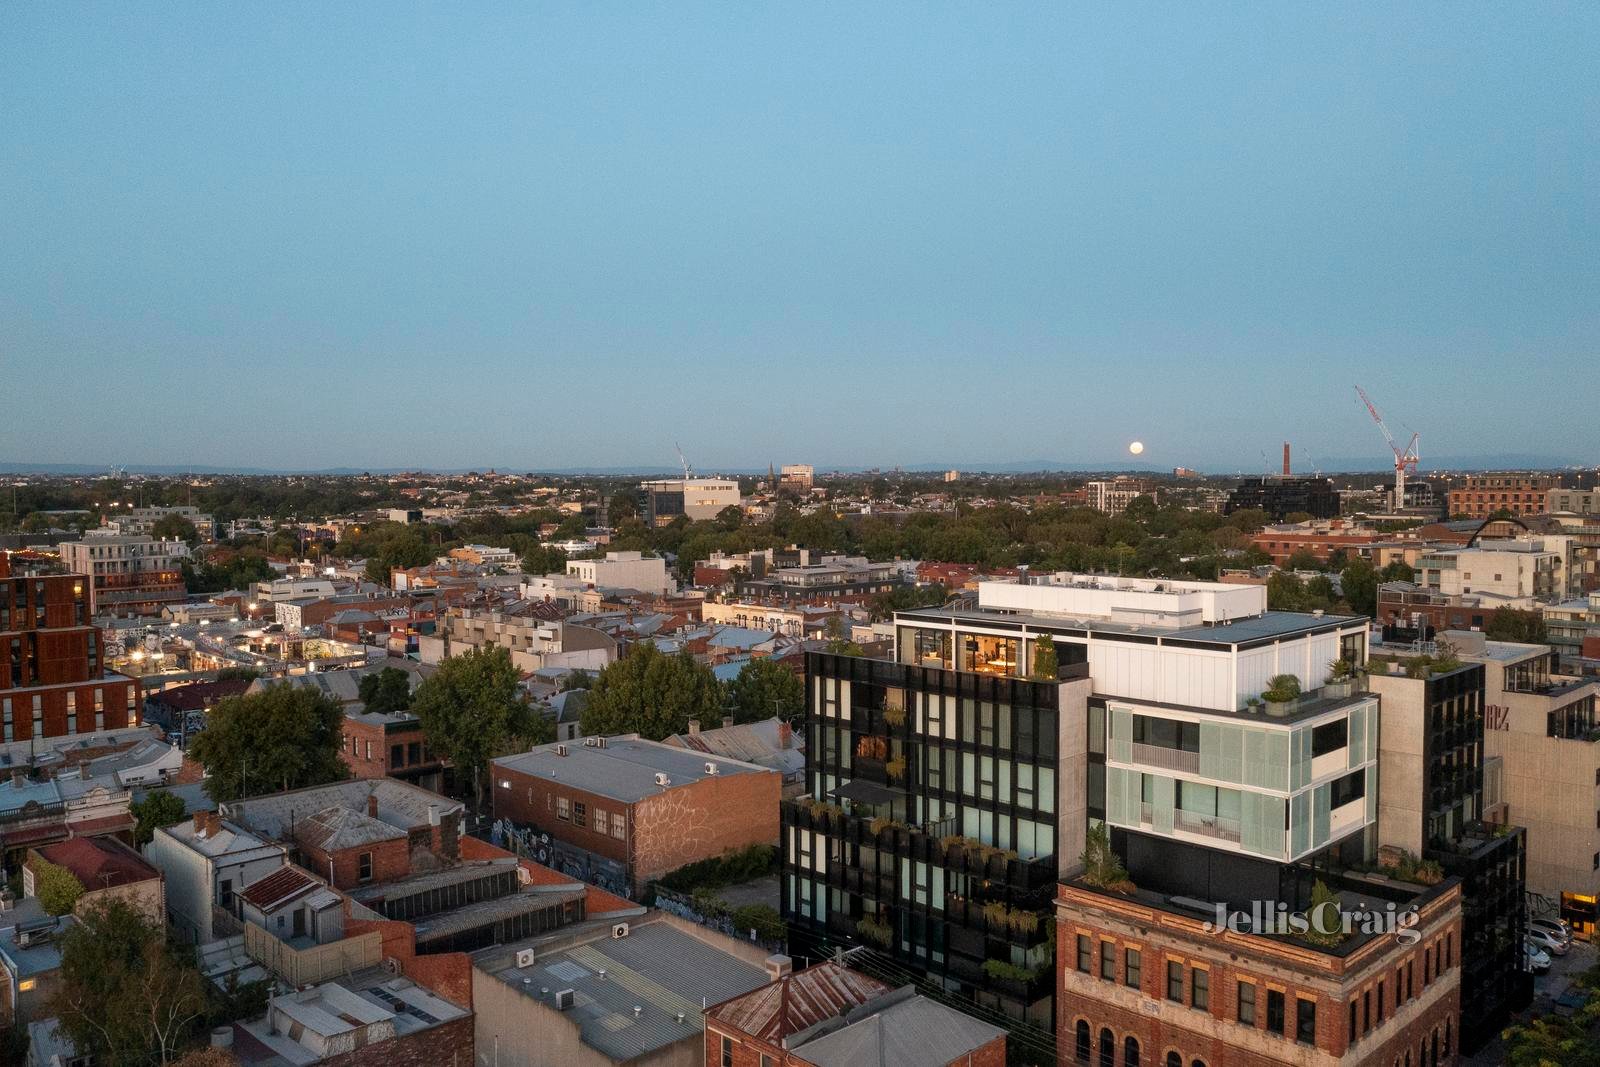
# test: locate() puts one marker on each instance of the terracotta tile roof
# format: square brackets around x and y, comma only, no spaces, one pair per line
[98,864]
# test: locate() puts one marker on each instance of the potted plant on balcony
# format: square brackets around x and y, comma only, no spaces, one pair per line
[1341,679]
[896,769]
[1280,694]
[1102,867]
[875,929]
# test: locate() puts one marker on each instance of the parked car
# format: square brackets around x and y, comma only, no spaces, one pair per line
[1553,926]
[1547,941]
[1538,962]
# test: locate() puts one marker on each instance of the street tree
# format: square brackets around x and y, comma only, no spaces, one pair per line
[387,690]
[652,694]
[764,688]
[472,710]
[284,737]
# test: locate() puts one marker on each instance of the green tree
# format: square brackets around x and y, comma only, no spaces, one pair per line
[126,997]
[1285,592]
[157,809]
[578,679]
[1554,1041]
[652,694]
[387,690]
[284,737]
[1360,583]
[1522,625]
[472,710]
[175,526]
[1397,571]
[764,688]
[1046,664]
[57,888]
[621,506]
[1327,921]
[544,559]
[1303,559]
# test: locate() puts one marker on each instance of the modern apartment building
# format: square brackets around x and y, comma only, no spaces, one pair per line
[1431,762]
[798,477]
[1485,494]
[131,574]
[1114,495]
[1572,501]
[53,680]
[1542,749]
[949,791]
[698,499]
[143,520]
[1279,497]
[836,578]
[624,570]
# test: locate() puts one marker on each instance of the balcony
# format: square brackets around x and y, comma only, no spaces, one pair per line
[1172,759]
[1207,825]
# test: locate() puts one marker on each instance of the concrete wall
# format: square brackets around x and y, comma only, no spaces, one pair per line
[1402,720]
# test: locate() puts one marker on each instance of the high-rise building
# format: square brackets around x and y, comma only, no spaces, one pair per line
[1114,495]
[132,574]
[798,477]
[53,682]
[1234,767]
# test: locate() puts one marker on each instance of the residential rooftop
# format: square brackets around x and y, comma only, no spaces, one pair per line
[399,805]
[899,1029]
[663,972]
[1263,629]
[624,768]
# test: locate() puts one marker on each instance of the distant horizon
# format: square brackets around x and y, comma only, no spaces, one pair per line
[575,236]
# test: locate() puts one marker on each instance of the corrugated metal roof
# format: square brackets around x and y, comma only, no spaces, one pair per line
[798,1001]
[657,968]
[624,770]
[909,1033]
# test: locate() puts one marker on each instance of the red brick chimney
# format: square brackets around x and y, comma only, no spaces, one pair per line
[213,824]
[1286,459]
[785,734]
[372,805]
[200,822]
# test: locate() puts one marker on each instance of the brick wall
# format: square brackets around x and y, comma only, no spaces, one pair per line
[747,1051]
[702,820]
[390,860]
[596,900]
[532,801]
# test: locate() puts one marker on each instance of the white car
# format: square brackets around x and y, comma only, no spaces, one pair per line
[1556,927]
[1537,961]
[1547,941]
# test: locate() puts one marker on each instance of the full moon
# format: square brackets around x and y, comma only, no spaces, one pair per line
[1136,447]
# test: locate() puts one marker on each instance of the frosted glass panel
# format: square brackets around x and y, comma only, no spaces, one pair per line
[1299,824]
[1358,736]
[1372,793]
[1320,799]
[1162,802]
[1122,735]
[1210,750]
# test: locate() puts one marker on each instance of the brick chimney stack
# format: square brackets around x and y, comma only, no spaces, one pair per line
[213,824]
[1286,459]
[372,805]
[785,734]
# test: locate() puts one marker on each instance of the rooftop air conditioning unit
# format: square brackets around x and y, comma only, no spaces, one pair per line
[563,999]
[391,965]
[525,957]
[561,750]
[711,768]
[662,779]
[619,931]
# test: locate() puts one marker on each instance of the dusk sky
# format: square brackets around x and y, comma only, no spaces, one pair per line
[548,236]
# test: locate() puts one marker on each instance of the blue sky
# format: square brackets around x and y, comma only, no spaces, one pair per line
[554,236]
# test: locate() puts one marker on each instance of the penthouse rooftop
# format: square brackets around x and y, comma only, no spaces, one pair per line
[626,768]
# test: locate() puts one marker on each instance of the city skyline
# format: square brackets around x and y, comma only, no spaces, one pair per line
[300,235]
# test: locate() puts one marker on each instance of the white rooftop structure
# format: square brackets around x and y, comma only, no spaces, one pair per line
[1162,602]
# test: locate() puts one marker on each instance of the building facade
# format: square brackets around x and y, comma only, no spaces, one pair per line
[130,574]
[1279,497]
[1113,496]
[697,499]
[1485,494]
[53,680]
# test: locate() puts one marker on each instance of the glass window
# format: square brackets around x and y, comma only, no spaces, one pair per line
[1175,981]
[1247,1003]
[1305,1021]
[1275,1011]
[1330,737]
[1083,953]
[1131,964]
[1108,961]
[1351,787]
[1200,989]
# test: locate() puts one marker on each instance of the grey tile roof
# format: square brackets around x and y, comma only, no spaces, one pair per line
[399,804]
[625,769]
[657,968]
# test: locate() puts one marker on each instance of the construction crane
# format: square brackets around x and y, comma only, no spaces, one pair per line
[1403,458]
[688,472]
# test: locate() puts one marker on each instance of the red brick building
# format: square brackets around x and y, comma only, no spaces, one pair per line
[646,807]
[53,682]
[389,744]
[831,1014]
[1145,983]
[1485,494]
[1281,543]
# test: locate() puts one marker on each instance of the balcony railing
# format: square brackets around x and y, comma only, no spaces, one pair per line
[1173,759]
[1207,825]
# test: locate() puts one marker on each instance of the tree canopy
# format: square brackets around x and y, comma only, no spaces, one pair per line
[175,526]
[387,690]
[472,711]
[126,997]
[157,809]
[652,694]
[57,888]
[284,737]
[1523,625]
[764,688]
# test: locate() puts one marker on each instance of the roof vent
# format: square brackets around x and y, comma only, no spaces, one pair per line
[637,1011]
[563,999]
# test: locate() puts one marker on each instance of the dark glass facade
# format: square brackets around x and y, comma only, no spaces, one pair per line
[1280,496]
[929,834]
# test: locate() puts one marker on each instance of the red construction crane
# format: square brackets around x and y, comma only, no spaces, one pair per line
[1403,457]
